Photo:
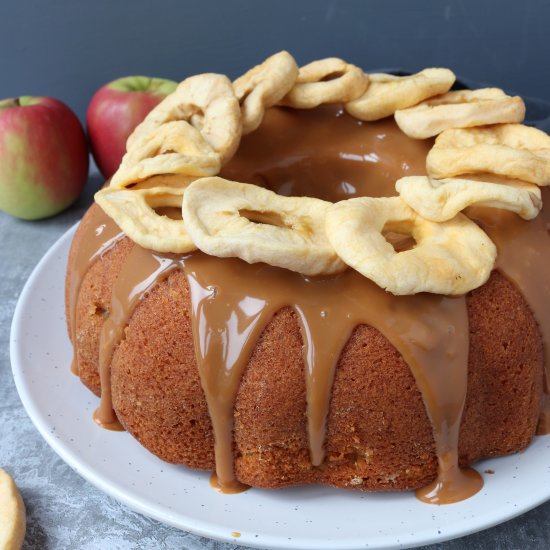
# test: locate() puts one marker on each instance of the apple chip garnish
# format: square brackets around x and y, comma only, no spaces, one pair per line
[514,151]
[442,200]
[387,93]
[231,219]
[136,212]
[460,109]
[329,80]
[174,148]
[198,127]
[264,86]
[450,258]
[12,514]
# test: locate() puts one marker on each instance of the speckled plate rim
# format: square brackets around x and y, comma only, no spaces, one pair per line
[40,368]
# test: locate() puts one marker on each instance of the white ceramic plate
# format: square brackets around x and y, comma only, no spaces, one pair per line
[317,518]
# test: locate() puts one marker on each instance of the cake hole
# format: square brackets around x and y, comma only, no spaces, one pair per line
[172,212]
[267,218]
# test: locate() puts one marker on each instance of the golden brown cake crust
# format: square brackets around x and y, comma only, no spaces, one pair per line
[379,436]
[505,381]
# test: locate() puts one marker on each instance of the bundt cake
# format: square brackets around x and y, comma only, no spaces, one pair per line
[294,346]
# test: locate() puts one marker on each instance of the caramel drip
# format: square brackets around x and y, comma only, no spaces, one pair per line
[232,489]
[523,258]
[227,323]
[233,302]
[322,348]
[100,237]
[142,270]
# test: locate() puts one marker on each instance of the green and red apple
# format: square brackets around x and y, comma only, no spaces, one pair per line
[115,110]
[43,157]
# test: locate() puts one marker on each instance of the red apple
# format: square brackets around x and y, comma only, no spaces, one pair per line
[115,110]
[43,157]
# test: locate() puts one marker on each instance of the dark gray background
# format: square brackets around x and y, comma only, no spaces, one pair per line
[67,48]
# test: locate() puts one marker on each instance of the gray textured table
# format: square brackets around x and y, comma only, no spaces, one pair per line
[64,510]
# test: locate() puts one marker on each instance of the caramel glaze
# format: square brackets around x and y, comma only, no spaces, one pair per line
[327,154]
[430,331]
[100,239]
[141,271]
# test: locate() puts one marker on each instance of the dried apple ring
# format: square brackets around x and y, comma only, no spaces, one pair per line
[460,109]
[450,258]
[208,102]
[230,219]
[134,212]
[511,150]
[387,93]
[442,200]
[204,105]
[329,80]
[173,148]
[264,86]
